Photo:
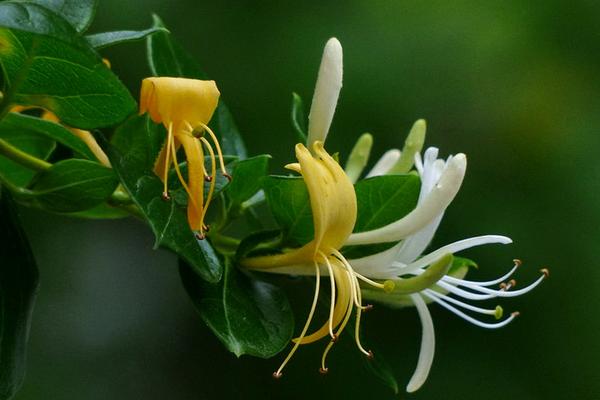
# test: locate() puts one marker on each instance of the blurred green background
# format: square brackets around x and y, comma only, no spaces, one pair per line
[515,85]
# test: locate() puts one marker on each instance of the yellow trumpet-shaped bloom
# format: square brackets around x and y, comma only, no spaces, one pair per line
[184,107]
[333,204]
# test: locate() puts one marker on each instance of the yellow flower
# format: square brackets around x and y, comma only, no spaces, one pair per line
[184,107]
[333,204]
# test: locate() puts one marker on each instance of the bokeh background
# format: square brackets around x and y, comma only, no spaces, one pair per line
[515,85]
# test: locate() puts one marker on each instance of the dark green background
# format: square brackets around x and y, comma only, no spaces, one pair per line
[512,84]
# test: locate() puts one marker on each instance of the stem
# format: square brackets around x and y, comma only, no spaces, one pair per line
[20,157]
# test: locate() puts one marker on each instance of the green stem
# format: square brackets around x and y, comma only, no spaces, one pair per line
[20,157]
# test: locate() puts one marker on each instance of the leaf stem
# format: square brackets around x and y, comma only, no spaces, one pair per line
[20,157]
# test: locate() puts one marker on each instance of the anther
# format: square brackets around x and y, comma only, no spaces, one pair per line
[226,175]
[515,314]
[334,338]
[370,356]
[503,286]
[498,312]
[368,307]
[208,178]
[517,262]
[512,283]
[545,271]
[197,134]
[277,374]
[200,236]
[206,228]
[165,196]
[323,371]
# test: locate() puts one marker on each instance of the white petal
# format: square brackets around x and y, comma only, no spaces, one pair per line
[385,163]
[427,345]
[327,91]
[458,246]
[378,266]
[426,211]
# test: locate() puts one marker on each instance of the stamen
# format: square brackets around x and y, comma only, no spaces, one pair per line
[496,311]
[219,153]
[213,172]
[165,194]
[464,282]
[504,292]
[468,317]
[368,353]
[323,371]
[332,305]
[277,373]
[180,176]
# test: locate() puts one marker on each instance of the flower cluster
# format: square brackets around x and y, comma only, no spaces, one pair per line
[404,274]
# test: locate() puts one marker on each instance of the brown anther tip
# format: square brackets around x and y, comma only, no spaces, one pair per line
[207,228]
[334,338]
[323,371]
[368,307]
[503,286]
[165,196]
[545,271]
[208,178]
[512,283]
[200,236]
[371,355]
[517,262]
[515,314]
[277,375]
[226,175]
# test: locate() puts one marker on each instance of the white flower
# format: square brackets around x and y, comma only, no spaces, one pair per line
[417,281]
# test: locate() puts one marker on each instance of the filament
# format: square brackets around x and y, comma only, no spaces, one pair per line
[218,147]
[167,162]
[213,172]
[487,283]
[468,317]
[332,305]
[460,303]
[277,374]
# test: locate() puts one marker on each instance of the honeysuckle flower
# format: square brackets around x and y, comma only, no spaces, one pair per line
[327,92]
[84,135]
[422,279]
[333,204]
[184,107]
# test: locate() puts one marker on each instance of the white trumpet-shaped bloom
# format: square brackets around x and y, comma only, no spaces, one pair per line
[327,92]
[406,263]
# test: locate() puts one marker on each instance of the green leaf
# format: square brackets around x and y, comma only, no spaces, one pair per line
[290,204]
[18,287]
[73,185]
[298,118]
[106,39]
[167,58]
[382,200]
[56,132]
[134,149]
[248,316]
[27,140]
[247,179]
[47,64]
[79,13]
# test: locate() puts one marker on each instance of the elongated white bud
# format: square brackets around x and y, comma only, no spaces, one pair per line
[327,91]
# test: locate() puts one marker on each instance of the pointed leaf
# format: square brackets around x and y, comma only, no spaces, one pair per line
[247,315]
[106,39]
[47,64]
[247,179]
[18,287]
[74,185]
[79,13]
